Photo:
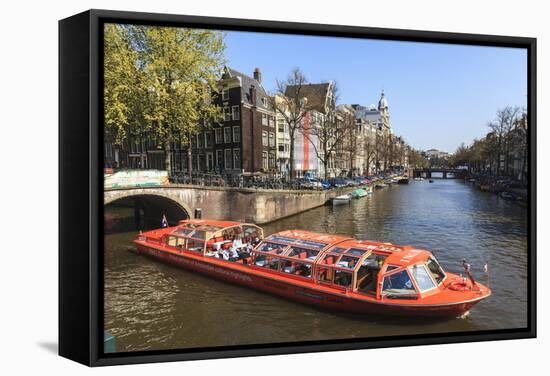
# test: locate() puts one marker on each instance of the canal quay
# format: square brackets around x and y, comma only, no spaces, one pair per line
[151,305]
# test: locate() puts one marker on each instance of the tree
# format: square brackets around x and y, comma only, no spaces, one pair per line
[417,160]
[288,102]
[330,130]
[123,84]
[501,129]
[168,76]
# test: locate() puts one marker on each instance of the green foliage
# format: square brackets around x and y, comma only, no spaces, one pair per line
[159,81]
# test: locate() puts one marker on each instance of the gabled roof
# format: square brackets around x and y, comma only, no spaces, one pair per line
[316,94]
[246,83]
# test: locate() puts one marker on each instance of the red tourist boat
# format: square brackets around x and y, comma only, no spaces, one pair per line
[329,271]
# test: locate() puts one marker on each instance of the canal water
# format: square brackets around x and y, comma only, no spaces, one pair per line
[154,306]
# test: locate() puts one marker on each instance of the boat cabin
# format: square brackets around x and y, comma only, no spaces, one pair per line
[209,237]
[378,270]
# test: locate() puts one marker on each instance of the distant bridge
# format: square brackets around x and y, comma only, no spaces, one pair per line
[446,173]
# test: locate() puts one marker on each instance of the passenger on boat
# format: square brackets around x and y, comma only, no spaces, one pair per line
[224,254]
[233,254]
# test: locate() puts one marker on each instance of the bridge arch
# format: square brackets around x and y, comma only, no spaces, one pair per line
[142,209]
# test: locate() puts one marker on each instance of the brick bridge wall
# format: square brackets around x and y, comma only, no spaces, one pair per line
[247,205]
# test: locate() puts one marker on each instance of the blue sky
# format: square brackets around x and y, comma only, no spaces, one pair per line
[439,95]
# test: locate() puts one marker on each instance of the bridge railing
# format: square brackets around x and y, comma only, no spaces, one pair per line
[238,181]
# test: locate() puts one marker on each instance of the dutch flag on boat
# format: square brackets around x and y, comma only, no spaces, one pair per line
[164,222]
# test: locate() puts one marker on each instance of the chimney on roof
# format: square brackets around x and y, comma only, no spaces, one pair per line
[258,75]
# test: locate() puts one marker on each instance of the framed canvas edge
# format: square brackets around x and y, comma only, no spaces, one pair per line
[97,17]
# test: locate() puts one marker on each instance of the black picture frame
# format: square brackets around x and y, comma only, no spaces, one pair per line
[80,186]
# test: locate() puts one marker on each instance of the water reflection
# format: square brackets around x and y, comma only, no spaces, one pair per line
[149,305]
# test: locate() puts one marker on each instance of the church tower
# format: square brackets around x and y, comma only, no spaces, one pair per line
[384,111]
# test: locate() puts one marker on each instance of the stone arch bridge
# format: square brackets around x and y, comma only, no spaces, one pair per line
[240,204]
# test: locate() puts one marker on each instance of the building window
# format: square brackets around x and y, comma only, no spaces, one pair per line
[218,135]
[227,135]
[264,119]
[108,149]
[271,139]
[271,160]
[225,94]
[236,134]
[226,114]
[281,148]
[235,111]
[208,139]
[199,140]
[236,158]
[265,162]
[281,126]
[264,138]
[227,159]
[271,121]
[264,101]
[219,159]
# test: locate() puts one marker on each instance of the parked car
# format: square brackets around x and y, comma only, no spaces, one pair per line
[338,182]
[326,184]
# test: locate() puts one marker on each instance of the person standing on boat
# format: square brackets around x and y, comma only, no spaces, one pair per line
[164,222]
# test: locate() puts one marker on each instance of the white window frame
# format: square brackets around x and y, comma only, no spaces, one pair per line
[236,132]
[219,158]
[226,113]
[238,150]
[235,112]
[230,159]
[265,160]
[227,135]
[218,136]
[428,272]
[206,134]
[225,94]
[264,120]
[265,138]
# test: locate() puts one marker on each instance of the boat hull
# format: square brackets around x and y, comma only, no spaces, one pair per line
[251,277]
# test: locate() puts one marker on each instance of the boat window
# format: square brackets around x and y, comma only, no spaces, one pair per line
[180,242]
[171,241]
[182,231]
[301,269]
[435,268]
[282,239]
[266,261]
[272,247]
[325,274]
[198,235]
[357,251]
[342,278]
[303,253]
[422,278]
[348,262]
[338,250]
[195,245]
[367,275]
[311,244]
[251,232]
[398,285]
[391,267]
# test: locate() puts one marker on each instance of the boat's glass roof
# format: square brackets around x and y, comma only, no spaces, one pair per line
[282,239]
[301,242]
